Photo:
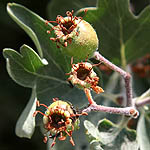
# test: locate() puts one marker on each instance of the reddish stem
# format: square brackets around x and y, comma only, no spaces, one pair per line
[124,74]
[128,111]
[88,94]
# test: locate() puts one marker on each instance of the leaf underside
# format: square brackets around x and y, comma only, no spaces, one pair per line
[108,136]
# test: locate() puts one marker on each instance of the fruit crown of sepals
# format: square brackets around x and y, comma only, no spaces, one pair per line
[83,76]
[60,120]
[74,36]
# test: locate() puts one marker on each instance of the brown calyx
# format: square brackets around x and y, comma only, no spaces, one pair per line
[82,72]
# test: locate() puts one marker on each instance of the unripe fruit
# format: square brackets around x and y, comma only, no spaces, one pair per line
[60,120]
[75,36]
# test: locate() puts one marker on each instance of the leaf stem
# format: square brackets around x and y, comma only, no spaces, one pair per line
[123,57]
[122,49]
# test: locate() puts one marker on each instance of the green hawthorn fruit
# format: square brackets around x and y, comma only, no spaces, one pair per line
[75,36]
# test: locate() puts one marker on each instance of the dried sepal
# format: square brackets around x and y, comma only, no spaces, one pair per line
[141,67]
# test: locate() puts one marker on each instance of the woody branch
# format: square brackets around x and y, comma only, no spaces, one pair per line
[128,111]
[126,76]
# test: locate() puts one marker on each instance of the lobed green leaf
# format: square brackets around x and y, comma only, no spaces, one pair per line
[123,36]
[23,66]
[36,28]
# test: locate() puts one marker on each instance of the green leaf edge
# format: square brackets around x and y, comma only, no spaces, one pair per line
[27,29]
[19,61]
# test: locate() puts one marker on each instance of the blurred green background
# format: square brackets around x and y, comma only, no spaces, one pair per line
[13,98]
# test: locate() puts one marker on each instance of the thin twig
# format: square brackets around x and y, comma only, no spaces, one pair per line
[128,111]
[89,96]
[143,102]
[124,74]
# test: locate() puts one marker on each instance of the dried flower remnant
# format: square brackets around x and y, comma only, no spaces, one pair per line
[60,120]
[105,69]
[83,76]
[76,36]
[132,123]
[142,67]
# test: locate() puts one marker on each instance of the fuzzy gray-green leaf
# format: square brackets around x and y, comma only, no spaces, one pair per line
[109,136]
[23,66]
[36,28]
[143,132]
[123,36]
